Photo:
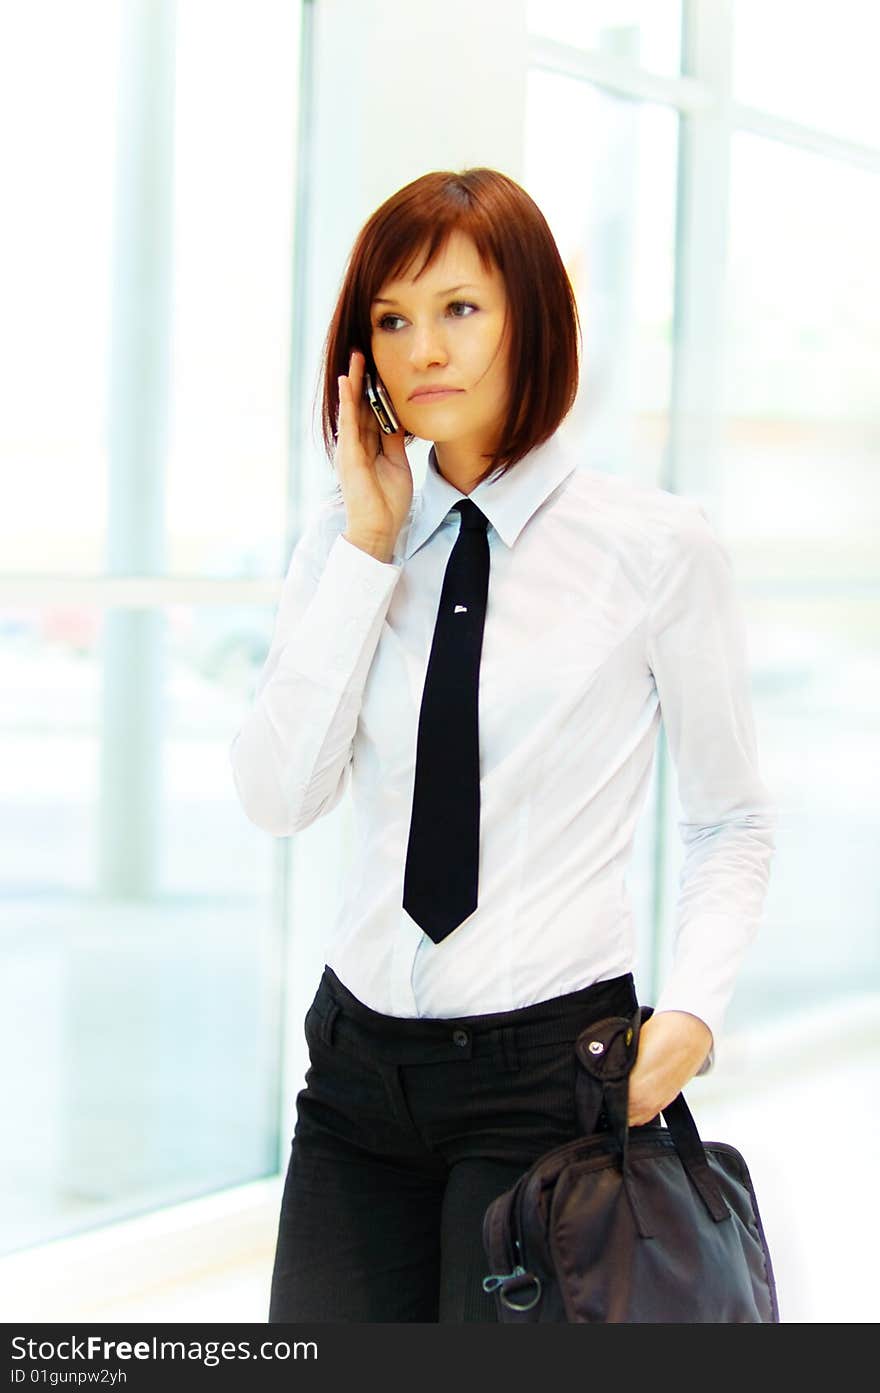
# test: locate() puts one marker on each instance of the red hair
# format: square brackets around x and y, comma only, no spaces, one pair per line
[509,230]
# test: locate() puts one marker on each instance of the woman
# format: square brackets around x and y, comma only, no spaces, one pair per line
[487,663]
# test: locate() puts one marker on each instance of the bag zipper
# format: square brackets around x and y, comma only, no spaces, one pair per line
[520,1269]
[496,1279]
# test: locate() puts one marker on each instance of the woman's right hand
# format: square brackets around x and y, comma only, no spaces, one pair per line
[373,470]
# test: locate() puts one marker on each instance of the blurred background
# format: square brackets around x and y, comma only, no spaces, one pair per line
[183,183]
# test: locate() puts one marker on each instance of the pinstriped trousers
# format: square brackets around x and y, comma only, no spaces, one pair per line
[405,1131]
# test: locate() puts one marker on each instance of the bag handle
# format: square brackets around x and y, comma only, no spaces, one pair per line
[607,1052]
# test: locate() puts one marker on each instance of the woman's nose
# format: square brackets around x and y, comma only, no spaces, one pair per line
[427,346]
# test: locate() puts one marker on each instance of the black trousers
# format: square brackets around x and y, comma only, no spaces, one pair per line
[405,1131]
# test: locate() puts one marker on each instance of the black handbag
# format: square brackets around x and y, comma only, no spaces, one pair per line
[629,1224]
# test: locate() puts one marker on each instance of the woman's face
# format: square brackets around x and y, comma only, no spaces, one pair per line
[447,329]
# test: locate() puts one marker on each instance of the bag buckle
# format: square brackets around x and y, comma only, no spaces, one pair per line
[608,1048]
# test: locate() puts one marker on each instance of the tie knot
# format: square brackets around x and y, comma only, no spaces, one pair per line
[472,519]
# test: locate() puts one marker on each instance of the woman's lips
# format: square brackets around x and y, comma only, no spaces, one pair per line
[435,395]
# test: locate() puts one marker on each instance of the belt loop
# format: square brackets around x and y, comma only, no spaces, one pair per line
[507,1043]
[328,1023]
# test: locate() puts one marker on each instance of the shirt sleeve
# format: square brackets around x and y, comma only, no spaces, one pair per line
[291,756]
[697,653]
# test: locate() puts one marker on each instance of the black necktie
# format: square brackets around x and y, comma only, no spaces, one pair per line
[442,858]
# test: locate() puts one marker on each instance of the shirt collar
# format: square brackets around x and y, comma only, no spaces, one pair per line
[507,502]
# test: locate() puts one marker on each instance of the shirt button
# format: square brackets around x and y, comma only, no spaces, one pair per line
[460,1037]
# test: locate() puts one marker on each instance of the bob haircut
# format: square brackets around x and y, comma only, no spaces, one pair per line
[509,229]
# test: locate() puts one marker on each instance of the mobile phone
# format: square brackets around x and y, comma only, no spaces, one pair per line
[381,404]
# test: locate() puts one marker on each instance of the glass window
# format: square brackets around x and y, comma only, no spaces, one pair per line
[59,71]
[815,64]
[139,998]
[801,505]
[615,227]
[145,429]
[645,32]
[160,364]
[234,181]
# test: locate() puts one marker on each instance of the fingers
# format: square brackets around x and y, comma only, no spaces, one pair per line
[342,411]
[356,366]
[354,382]
[351,393]
[348,387]
[357,370]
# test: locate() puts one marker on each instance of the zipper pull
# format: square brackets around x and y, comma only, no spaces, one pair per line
[496,1279]
[515,1294]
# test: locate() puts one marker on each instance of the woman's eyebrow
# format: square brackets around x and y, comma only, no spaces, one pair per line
[466,285]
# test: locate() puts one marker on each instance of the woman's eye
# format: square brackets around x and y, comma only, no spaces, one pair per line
[453,304]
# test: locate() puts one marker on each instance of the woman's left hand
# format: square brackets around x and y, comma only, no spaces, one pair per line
[672,1046]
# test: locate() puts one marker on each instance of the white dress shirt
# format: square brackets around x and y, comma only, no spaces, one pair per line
[610,605]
